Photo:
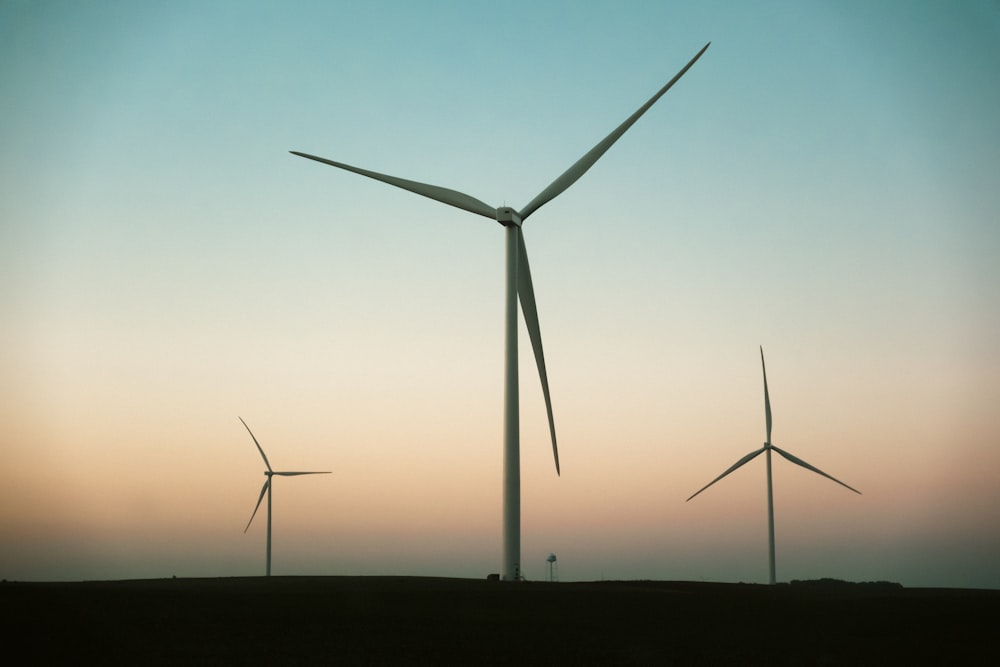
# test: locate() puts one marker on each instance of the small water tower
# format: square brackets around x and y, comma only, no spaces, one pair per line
[553,568]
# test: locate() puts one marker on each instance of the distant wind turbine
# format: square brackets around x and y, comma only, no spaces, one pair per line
[767,448]
[269,473]
[518,284]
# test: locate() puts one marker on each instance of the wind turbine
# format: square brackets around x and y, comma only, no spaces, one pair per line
[767,448]
[269,473]
[518,284]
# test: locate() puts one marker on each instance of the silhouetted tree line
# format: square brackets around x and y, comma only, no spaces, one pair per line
[829,582]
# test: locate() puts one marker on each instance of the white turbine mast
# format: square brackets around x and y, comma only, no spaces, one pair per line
[767,448]
[517,285]
[269,473]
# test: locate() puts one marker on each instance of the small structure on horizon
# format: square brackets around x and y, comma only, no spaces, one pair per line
[553,568]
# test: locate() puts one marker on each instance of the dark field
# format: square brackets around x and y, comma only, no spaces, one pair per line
[415,620]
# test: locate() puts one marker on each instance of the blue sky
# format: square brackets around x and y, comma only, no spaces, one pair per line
[821,182]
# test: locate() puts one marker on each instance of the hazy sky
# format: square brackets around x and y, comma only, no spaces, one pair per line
[823,182]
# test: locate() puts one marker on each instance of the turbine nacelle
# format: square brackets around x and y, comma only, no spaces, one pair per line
[508,217]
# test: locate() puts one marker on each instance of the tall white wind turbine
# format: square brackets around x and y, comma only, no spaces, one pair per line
[269,473]
[767,448]
[517,285]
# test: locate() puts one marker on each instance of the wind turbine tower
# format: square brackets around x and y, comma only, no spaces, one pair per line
[767,450]
[518,285]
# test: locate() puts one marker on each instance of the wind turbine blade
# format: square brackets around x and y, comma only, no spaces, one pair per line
[288,474]
[263,490]
[580,167]
[796,460]
[767,399]
[526,292]
[443,195]
[745,459]
[259,448]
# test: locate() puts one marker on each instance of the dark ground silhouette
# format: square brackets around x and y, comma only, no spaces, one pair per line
[422,620]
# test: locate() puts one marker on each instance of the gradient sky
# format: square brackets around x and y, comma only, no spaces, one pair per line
[823,182]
